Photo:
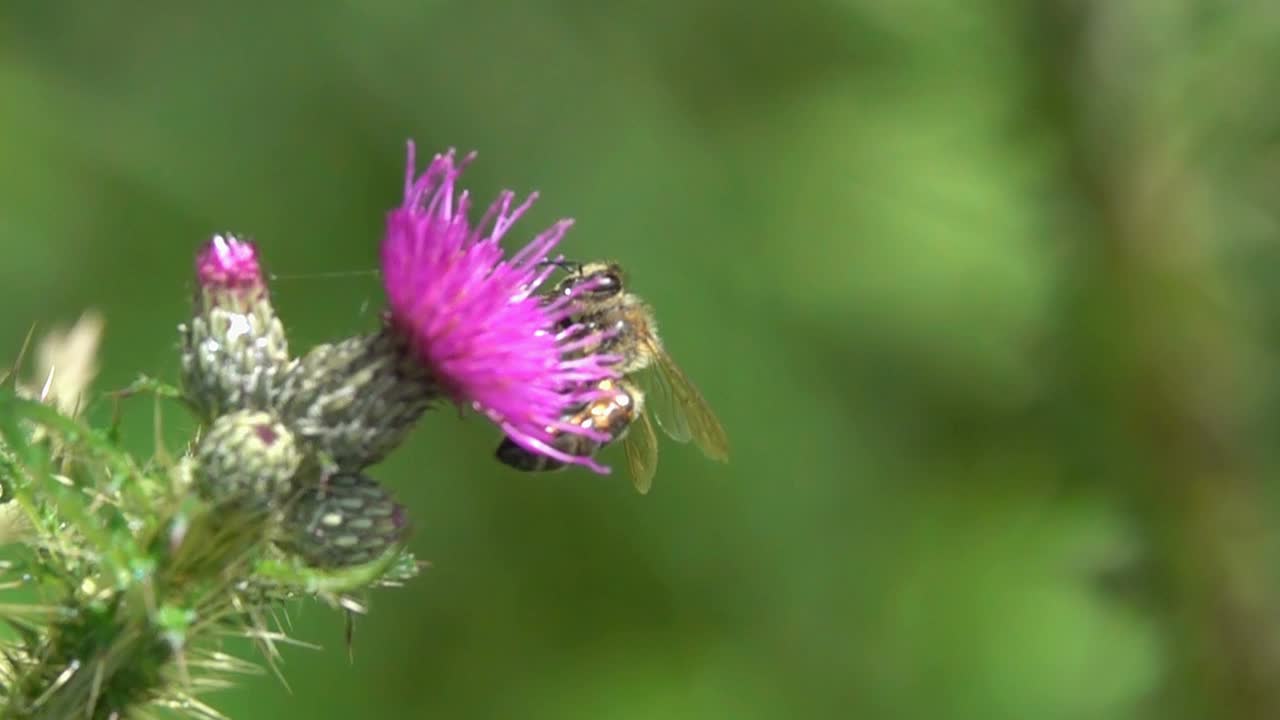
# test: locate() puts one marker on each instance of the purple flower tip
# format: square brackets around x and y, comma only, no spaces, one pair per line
[228,262]
[471,314]
[266,434]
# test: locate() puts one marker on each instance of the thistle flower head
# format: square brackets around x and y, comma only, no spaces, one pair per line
[471,316]
[349,520]
[234,348]
[246,456]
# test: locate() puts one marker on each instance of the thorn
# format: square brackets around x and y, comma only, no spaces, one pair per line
[350,637]
[48,383]
[22,354]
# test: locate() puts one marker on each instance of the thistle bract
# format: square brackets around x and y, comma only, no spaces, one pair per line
[347,520]
[354,401]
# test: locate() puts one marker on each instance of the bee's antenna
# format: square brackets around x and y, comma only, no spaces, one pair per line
[567,265]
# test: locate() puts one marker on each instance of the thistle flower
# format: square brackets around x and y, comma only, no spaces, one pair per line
[234,348]
[470,315]
[347,520]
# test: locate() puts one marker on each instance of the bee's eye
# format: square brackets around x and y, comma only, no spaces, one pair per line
[607,284]
[598,284]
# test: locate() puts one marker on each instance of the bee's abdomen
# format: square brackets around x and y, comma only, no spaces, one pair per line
[512,455]
[611,415]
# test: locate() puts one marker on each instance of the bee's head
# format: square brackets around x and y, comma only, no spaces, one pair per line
[602,280]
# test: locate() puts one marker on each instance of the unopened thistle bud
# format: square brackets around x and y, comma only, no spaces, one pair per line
[246,457]
[234,349]
[354,401]
[347,520]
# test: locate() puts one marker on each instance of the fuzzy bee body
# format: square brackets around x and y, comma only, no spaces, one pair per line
[612,414]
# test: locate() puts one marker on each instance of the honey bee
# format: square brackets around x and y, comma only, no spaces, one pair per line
[651,381]
[612,413]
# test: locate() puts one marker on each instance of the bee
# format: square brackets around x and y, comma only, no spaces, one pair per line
[611,413]
[651,380]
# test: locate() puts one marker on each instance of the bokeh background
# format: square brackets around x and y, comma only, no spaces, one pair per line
[984,293]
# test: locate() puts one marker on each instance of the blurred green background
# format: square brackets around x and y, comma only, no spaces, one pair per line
[983,292]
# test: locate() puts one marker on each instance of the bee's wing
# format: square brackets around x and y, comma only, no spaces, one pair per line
[641,447]
[680,409]
[660,398]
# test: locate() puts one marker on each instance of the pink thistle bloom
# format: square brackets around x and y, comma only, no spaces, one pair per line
[227,262]
[471,316]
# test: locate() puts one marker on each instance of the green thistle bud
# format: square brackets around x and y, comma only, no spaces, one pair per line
[248,457]
[234,349]
[355,400]
[348,520]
